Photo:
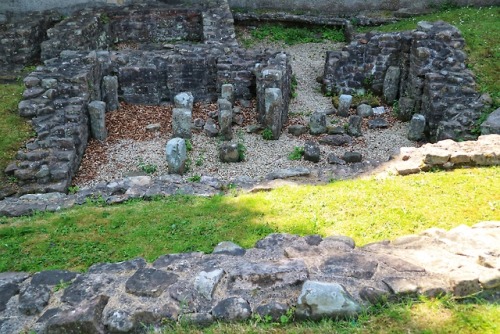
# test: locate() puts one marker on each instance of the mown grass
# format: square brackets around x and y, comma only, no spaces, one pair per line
[292,35]
[13,129]
[481,31]
[366,210]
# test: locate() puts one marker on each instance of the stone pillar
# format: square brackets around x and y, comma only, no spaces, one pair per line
[97,111]
[227,92]
[225,119]
[184,100]
[181,123]
[354,127]
[391,84]
[416,127]
[273,111]
[176,155]
[109,92]
[344,105]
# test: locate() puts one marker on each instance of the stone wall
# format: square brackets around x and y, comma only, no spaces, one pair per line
[336,7]
[428,76]
[306,278]
[20,40]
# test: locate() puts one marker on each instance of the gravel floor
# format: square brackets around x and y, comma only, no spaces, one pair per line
[123,157]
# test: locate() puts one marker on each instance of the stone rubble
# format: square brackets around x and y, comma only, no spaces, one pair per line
[318,277]
[447,154]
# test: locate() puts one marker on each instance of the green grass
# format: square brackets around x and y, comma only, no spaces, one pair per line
[481,30]
[296,35]
[366,210]
[14,130]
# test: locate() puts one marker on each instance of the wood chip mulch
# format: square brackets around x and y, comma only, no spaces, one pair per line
[130,122]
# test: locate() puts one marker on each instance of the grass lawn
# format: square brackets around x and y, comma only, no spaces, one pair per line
[13,129]
[367,210]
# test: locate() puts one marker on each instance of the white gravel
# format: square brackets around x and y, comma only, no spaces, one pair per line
[262,157]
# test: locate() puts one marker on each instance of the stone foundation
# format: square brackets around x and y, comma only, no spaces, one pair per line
[432,78]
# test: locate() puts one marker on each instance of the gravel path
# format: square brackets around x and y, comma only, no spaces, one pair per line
[123,157]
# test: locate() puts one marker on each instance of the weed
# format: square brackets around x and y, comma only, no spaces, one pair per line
[189,145]
[267,134]
[288,316]
[147,168]
[293,87]
[241,151]
[105,18]
[194,178]
[200,160]
[368,81]
[187,165]
[296,154]
[73,189]
[396,108]
[61,285]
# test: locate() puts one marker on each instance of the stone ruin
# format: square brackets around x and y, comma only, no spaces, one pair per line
[423,71]
[143,54]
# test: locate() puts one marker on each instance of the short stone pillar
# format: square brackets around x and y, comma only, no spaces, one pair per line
[273,101]
[228,152]
[181,123]
[406,109]
[364,110]
[354,126]
[225,119]
[416,127]
[97,113]
[227,92]
[184,100]
[391,84]
[176,155]
[344,105]
[109,92]
[317,123]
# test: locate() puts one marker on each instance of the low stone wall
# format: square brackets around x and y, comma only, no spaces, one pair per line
[305,277]
[448,154]
[425,71]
